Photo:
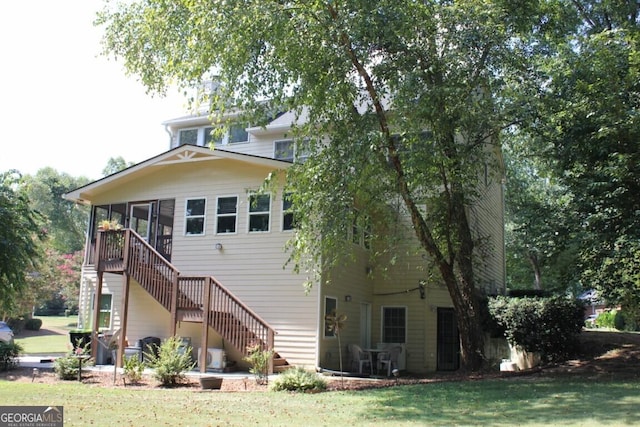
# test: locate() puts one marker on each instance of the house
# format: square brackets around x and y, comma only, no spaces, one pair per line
[201,256]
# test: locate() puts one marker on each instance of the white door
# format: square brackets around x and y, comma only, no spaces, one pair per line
[140,219]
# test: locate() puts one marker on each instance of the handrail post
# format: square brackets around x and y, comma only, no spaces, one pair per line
[206,313]
[98,251]
[125,250]
[174,303]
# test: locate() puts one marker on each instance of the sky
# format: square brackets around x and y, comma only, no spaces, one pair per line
[62,104]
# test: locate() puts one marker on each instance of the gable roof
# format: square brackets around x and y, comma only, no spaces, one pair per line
[181,154]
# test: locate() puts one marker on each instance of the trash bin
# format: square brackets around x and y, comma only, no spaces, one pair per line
[149,345]
[135,352]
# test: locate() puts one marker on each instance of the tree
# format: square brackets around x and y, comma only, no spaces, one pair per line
[20,239]
[540,236]
[400,100]
[116,164]
[587,126]
[65,221]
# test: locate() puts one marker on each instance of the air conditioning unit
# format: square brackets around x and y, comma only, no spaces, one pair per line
[215,358]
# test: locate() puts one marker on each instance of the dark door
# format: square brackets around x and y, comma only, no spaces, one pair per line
[448,340]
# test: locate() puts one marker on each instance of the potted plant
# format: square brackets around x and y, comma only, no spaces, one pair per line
[80,338]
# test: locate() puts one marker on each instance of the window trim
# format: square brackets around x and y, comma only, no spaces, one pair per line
[244,127]
[203,216]
[110,311]
[296,150]
[325,331]
[286,212]
[256,213]
[382,321]
[198,139]
[225,215]
[293,150]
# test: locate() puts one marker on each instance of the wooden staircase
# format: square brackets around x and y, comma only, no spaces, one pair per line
[200,299]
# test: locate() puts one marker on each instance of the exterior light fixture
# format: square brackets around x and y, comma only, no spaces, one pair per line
[219,246]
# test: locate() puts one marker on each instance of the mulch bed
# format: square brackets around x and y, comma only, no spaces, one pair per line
[604,355]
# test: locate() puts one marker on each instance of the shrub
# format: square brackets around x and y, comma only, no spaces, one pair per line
[171,362]
[67,367]
[133,368]
[33,324]
[9,353]
[298,379]
[549,326]
[613,319]
[16,324]
[259,360]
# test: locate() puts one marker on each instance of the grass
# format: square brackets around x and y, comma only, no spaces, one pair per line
[51,342]
[523,401]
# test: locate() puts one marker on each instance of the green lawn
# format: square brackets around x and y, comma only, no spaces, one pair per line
[47,341]
[527,401]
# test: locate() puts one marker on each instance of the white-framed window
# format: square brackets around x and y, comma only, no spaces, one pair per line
[290,150]
[210,137]
[259,212]
[188,136]
[283,150]
[194,216]
[226,214]
[394,324]
[238,133]
[106,309]
[330,307]
[288,221]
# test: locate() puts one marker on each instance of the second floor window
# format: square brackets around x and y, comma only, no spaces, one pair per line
[287,213]
[194,216]
[259,212]
[227,214]
[290,150]
[188,136]
[238,133]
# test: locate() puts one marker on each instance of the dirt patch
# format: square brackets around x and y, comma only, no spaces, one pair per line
[603,354]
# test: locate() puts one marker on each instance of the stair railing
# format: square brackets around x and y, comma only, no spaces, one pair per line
[125,250]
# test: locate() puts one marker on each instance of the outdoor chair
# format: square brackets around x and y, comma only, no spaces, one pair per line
[389,359]
[359,358]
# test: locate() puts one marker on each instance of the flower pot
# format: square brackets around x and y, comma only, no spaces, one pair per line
[210,383]
[80,339]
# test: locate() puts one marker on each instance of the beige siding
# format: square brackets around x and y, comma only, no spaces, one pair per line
[487,221]
[349,279]
[249,264]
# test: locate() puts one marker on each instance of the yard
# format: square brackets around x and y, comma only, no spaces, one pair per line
[601,388]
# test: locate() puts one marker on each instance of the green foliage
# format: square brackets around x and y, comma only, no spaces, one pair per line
[67,367]
[614,319]
[116,164]
[298,379]
[21,235]
[585,125]
[171,362]
[259,361]
[549,326]
[408,106]
[33,324]
[133,368]
[9,353]
[65,221]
